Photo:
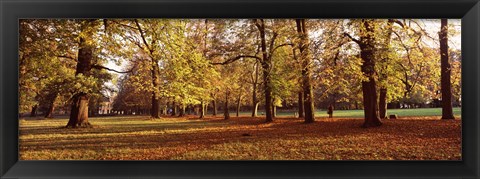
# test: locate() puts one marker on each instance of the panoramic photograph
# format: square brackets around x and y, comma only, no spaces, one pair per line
[240,89]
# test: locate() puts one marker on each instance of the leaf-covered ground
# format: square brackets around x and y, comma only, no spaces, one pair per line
[244,138]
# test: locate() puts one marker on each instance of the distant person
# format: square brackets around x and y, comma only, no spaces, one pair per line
[330,111]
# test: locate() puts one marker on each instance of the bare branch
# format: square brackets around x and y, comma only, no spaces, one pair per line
[291,44]
[272,42]
[235,59]
[397,22]
[109,69]
[124,25]
[353,39]
[143,37]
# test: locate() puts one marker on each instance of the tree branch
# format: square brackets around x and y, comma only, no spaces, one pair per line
[235,59]
[143,37]
[109,69]
[397,22]
[272,42]
[291,44]
[124,25]
[353,39]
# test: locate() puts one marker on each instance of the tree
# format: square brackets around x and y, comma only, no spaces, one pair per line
[447,111]
[79,104]
[366,42]
[383,70]
[85,79]
[336,67]
[268,45]
[44,62]
[306,71]
[133,88]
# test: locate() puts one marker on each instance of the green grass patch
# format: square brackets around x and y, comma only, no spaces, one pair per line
[457,111]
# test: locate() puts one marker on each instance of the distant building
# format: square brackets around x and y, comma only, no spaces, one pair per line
[105,106]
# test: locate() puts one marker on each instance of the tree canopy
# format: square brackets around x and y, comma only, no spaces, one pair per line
[154,66]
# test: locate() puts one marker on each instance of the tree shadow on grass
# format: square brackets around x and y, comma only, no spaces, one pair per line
[204,133]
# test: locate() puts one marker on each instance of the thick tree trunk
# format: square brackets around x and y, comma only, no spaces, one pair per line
[80,101]
[306,72]
[300,105]
[79,111]
[368,70]
[51,108]
[370,104]
[33,112]
[367,49]
[447,109]
[382,104]
[226,113]
[155,110]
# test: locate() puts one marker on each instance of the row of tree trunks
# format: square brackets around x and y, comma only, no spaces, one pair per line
[182,111]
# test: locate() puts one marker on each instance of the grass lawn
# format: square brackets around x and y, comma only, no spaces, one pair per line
[359,113]
[243,138]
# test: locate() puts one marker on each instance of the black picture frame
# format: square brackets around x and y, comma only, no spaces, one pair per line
[13,10]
